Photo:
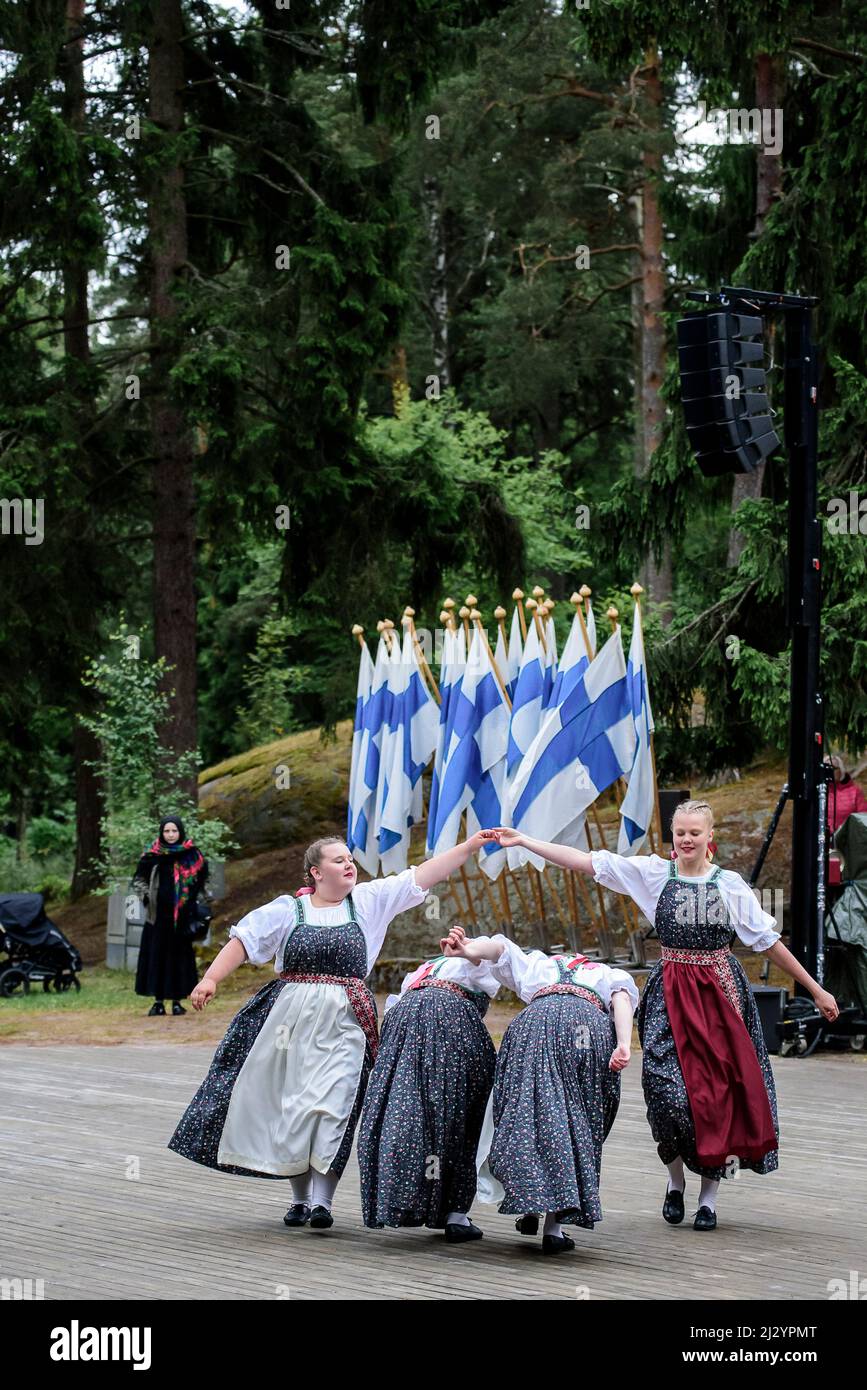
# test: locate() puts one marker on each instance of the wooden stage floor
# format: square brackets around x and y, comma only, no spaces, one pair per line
[94,1205]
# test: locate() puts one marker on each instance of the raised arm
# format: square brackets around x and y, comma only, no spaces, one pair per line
[564,855]
[431,871]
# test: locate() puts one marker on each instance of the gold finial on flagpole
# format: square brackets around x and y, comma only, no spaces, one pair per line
[500,615]
[518,595]
[612,614]
[464,614]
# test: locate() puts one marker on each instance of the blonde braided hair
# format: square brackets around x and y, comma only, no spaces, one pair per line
[693,807]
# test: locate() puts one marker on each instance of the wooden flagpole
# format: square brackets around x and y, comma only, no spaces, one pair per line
[636,592]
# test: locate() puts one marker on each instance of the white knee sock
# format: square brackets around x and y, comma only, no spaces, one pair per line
[324,1185]
[676,1176]
[301,1187]
[707,1195]
[457,1218]
[552,1226]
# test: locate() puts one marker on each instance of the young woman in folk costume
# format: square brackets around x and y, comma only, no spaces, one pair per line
[284,1091]
[557,1084]
[426,1101]
[706,1074]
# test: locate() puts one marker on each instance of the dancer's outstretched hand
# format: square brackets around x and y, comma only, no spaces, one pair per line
[203,994]
[826,1004]
[508,837]
[619,1057]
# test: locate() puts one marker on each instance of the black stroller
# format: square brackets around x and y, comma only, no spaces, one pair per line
[32,948]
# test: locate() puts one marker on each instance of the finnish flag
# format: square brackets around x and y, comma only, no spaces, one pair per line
[527,700]
[472,775]
[584,744]
[636,811]
[408,742]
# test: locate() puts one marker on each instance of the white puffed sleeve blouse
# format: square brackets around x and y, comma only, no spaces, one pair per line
[480,979]
[525,972]
[643,877]
[265,931]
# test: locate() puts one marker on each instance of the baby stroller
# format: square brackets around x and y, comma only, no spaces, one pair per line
[33,947]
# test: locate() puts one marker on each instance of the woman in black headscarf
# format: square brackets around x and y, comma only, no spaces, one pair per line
[169,877]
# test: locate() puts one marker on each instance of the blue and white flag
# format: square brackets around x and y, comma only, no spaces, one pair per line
[549,669]
[636,811]
[584,744]
[452,666]
[408,742]
[591,627]
[364,781]
[573,663]
[360,795]
[491,735]
[527,700]
[516,649]
[472,774]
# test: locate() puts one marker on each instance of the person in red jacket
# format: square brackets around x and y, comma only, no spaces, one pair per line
[844,795]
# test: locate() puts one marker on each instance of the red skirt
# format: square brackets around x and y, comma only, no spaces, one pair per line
[724,1083]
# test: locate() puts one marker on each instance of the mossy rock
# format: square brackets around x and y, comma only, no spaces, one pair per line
[247,791]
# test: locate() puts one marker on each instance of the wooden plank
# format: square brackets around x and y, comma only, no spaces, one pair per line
[73,1114]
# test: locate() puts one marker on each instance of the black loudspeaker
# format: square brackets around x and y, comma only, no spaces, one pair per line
[668,800]
[723,389]
[771,1003]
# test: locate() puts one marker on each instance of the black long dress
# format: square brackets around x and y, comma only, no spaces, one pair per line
[166,960]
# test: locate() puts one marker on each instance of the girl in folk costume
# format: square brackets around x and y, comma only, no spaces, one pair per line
[169,877]
[557,1082]
[426,1101]
[706,1074]
[284,1091]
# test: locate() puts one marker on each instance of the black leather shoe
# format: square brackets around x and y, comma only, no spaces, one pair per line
[556,1245]
[297,1215]
[705,1220]
[178,1008]
[156,1008]
[456,1233]
[672,1207]
[321,1219]
[528,1225]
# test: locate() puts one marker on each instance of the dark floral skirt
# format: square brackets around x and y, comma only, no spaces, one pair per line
[555,1100]
[423,1112]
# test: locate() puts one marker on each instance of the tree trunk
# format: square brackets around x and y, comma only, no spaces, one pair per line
[656,578]
[76,346]
[438,296]
[174,596]
[88,809]
[770,88]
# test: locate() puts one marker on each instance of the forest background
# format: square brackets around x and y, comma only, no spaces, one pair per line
[309,311]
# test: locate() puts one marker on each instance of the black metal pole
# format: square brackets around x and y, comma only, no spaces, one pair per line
[803,613]
[806,785]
